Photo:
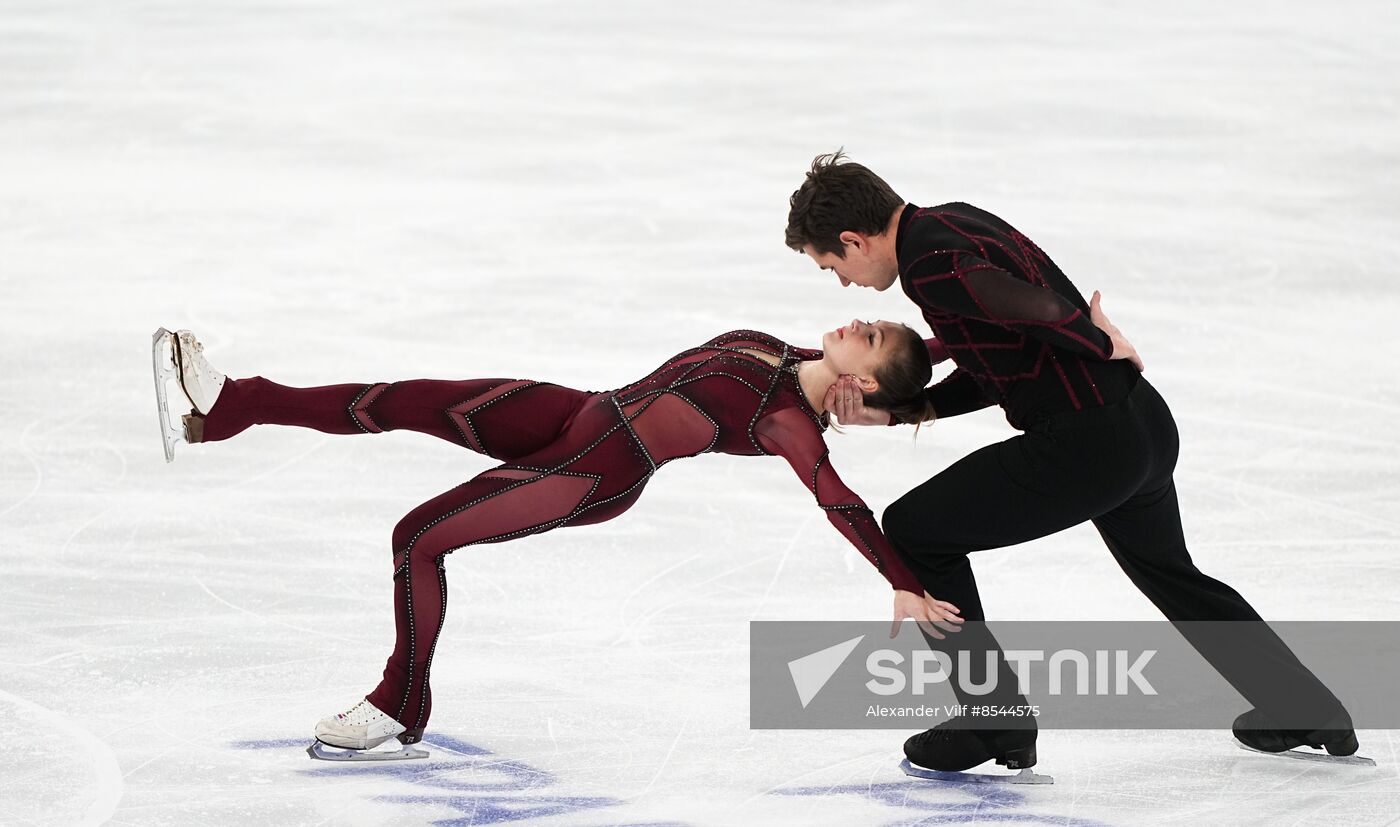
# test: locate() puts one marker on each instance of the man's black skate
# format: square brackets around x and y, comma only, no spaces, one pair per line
[951,747]
[1255,730]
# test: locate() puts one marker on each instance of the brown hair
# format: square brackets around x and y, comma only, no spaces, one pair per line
[902,378]
[838,195]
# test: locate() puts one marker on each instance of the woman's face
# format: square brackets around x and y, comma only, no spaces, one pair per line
[858,348]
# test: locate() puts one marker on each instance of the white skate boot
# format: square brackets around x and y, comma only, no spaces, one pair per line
[358,731]
[199,379]
[197,384]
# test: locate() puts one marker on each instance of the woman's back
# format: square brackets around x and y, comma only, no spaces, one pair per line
[712,397]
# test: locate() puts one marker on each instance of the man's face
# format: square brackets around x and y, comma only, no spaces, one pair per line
[863,265]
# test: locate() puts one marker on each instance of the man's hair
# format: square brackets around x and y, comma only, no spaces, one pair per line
[838,195]
[902,378]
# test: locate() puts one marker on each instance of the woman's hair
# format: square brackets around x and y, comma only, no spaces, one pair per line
[903,377]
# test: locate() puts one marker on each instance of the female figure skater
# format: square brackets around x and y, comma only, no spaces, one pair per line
[570,458]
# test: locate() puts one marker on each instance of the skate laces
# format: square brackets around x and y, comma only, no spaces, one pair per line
[198,354]
[361,713]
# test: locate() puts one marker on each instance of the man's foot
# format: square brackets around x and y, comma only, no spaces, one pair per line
[1255,730]
[950,747]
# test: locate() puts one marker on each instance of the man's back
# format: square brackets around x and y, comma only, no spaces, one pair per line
[1015,325]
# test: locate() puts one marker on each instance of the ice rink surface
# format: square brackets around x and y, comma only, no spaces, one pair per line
[356,192]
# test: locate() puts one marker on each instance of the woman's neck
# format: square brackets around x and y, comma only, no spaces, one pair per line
[814,377]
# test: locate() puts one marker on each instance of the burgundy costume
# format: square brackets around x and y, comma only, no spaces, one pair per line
[568,457]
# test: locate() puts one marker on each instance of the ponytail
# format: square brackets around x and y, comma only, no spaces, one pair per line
[913,411]
[902,378]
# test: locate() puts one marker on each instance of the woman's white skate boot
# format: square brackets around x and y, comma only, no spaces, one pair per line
[183,377]
[200,380]
[358,731]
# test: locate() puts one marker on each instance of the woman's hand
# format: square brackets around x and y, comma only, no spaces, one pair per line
[845,399]
[929,613]
[1122,348]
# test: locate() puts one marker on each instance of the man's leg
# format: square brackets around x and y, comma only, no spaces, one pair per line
[1146,539]
[1001,495]
[1012,492]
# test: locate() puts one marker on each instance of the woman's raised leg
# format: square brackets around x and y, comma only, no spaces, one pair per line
[502,418]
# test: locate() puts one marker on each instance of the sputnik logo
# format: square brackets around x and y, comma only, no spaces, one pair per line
[811,672]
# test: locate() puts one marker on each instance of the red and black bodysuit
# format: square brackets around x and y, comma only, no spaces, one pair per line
[569,458]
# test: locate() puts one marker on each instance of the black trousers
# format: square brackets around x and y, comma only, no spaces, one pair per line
[1113,466]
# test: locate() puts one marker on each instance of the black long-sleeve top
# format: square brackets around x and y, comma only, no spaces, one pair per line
[1017,329]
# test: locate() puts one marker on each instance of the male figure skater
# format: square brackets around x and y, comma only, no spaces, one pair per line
[1099,444]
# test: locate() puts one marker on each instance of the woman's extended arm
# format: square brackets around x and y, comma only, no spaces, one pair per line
[793,436]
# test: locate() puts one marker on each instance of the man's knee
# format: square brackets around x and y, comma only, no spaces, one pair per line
[901,522]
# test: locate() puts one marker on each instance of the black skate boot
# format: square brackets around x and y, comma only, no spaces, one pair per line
[1255,730]
[952,747]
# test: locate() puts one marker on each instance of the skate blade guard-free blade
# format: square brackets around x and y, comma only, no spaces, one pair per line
[1319,757]
[1025,776]
[322,751]
[163,366]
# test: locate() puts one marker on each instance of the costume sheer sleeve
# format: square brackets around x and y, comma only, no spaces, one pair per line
[792,435]
[958,282]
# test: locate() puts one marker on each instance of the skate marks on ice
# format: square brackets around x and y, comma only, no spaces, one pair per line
[1025,776]
[482,787]
[1319,757]
[956,799]
[108,784]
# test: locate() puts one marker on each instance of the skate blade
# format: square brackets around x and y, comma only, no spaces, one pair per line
[163,366]
[1025,776]
[322,751]
[1319,757]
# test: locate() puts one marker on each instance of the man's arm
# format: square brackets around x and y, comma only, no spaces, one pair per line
[957,394]
[937,351]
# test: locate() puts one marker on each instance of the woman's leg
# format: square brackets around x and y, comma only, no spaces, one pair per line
[502,418]
[497,505]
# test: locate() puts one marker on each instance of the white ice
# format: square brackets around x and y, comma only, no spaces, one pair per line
[360,191]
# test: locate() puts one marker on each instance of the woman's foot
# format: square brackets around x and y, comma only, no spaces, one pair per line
[363,727]
[172,393]
[201,381]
